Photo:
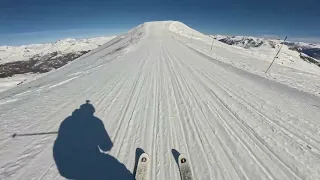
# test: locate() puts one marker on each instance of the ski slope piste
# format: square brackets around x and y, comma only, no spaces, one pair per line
[152,89]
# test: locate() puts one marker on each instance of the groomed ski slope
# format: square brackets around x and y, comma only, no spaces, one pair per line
[156,93]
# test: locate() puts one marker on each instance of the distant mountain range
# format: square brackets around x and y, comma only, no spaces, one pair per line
[24,52]
[40,58]
[308,51]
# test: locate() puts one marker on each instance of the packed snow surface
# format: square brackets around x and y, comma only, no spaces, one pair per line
[161,88]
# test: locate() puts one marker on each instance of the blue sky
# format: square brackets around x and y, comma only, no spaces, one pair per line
[39,21]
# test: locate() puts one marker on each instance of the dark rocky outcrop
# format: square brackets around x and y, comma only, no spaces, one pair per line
[38,64]
[242,42]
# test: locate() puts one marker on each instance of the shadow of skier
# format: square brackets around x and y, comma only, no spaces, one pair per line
[78,148]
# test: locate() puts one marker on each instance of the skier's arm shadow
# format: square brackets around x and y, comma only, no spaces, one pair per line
[76,150]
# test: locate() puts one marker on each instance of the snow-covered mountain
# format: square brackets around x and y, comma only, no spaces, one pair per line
[251,41]
[19,64]
[308,51]
[64,46]
[243,41]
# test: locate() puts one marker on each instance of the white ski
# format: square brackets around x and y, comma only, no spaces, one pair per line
[142,171]
[184,167]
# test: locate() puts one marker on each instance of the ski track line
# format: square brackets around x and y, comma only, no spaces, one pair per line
[52,173]
[173,169]
[220,84]
[157,137]
[243,67]
[165,146]
[44,174]
[177,107]
[192,119]
[163,129]
[293,156]
[132,115]
[285,129]
[242,172]
[100,102]
[63,82]
[114,92]
[155,120]
[261,143]
[115,100]
[212,129]
[287,113]
[171,118]
[282,127]
[269,119]
[295,137]
[123,111]
[235,167]
[140,107]
[4,102]
[159,171]
[212,134]
[109,91]
[176,128]
[252,154]
[211,153]
[187,117]
[127,106]
[178,113]
[108,109]
[250,130]
[254,157]
[141,138]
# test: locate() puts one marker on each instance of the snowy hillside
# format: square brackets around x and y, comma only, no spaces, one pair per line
[307,49]
[165,89]
[20,64]
[64,46]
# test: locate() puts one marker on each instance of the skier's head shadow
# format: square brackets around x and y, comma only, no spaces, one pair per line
[79,150]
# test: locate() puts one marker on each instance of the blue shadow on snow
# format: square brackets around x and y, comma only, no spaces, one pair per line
[78,148]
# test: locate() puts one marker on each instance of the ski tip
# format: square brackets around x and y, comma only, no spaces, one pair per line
[182,159]
[144,157]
